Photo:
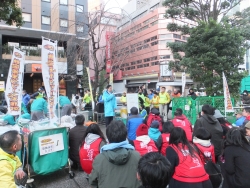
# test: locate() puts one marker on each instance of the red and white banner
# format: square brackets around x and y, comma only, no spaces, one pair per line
[14,85]
[108,36]
[50,75]
[227,99]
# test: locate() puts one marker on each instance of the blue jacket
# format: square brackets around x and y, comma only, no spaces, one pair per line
[100,100]
[109,104]
[63,100]
[150,96]
[133,123]
[39,105]
[26,99]
[240,121]
[154,133]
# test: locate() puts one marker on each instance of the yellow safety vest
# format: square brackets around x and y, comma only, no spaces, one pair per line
[155,102]
[163,98]
[123,99]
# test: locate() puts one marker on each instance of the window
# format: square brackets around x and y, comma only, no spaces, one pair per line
[133,63]
[153,38]
[26,17]
[165,36]
[177,36]
[63,2]
[139,61]
[64,23]
[153,58]
[146,65]
[165,57]
[147,59]
[155,63]
[79,29]
[154,43]
[79,8]
[139,66]
[46,20]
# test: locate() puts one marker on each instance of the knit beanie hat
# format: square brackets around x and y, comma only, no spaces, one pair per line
[142,130]
[217,114]
[155,124]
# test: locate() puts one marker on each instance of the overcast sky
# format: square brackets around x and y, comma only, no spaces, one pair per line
[115,5]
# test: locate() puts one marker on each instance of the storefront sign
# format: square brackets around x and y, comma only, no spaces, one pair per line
[51,143]
[2,85]
[36,68]
[50,75]
[14,85]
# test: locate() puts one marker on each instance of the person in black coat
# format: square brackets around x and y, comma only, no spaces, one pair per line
[209,122]
[236,167]
[75,138]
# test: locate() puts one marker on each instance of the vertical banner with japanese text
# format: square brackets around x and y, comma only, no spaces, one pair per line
[111,80]
[90,88]
[14,85]
[50,75]
[227,99]
[108,37]
[183,80]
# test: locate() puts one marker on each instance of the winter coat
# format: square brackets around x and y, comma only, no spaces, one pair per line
[154,133]
[63,100]
[210,123]
[133,123]
[7,169]
[40,105]
[26,99]
[115,168]
[236,167]
[109,104]
[75,139]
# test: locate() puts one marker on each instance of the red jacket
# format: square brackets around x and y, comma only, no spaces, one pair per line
[184,123]
[145,148]
[207,152]
[190,169]
[165,143]
[87,154]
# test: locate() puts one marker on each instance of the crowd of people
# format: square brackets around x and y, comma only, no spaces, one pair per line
[149,151]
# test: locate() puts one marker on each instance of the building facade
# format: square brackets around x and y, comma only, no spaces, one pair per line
[140,49]
[61,20]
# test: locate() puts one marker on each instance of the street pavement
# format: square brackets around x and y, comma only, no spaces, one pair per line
[61,179]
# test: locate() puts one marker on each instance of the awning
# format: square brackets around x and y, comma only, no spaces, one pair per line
[134,85]
[147,77]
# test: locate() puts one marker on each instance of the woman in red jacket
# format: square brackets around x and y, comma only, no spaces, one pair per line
[188,169]
[202,142]
[180,120]
[163,140]
[92,142]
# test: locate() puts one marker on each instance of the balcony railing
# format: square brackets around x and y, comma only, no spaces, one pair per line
[31,51]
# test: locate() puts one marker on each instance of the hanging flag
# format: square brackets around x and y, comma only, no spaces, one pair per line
[227,99]
[183,80]
[50,75]
[111,80]
[14,85]
[90,88]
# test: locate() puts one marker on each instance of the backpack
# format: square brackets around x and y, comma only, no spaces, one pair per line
[213,170]
[153,117]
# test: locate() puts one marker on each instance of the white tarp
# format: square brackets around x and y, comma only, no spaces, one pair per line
[14,85]
[50,75]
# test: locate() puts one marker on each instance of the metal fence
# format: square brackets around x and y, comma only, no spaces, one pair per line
[191,107]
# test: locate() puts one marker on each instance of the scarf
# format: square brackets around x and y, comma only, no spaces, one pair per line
[111,146]
[205,143]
